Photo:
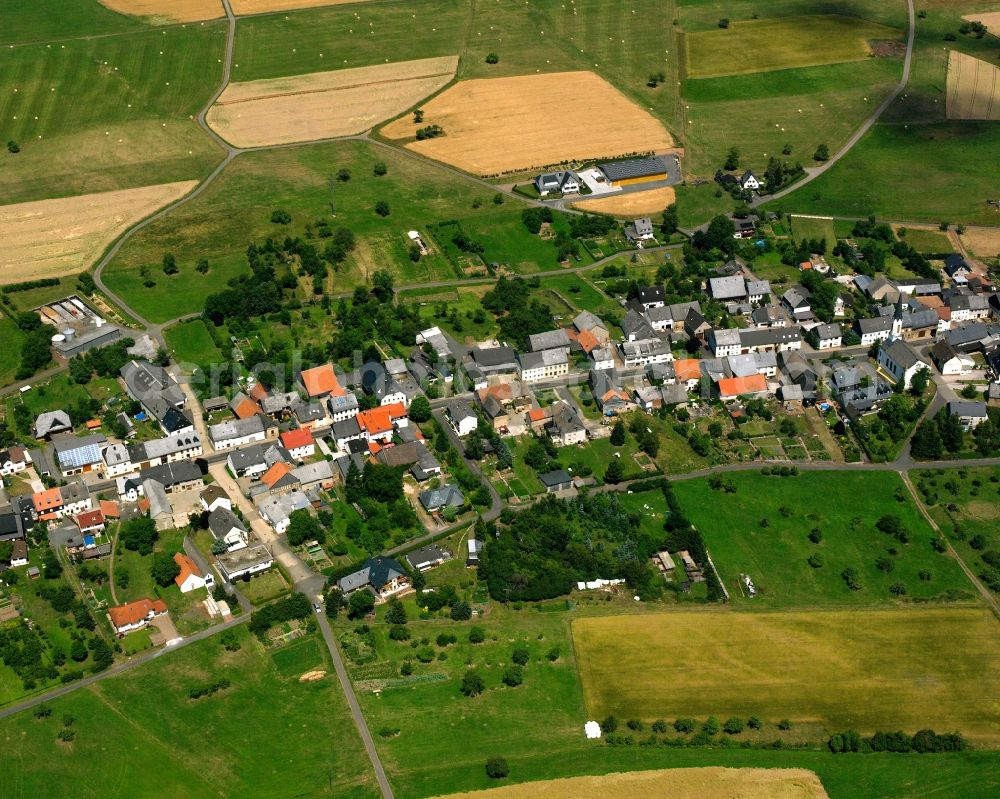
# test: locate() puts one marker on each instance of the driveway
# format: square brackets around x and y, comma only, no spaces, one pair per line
[193,406]
[165,631]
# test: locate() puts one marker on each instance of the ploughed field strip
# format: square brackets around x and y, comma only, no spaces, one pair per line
[324,104]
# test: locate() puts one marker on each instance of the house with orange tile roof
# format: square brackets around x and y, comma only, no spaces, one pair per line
[243,407]
[538,418]
[47,504]
[258,393]
[135,615]
[110,509]
[299,443]
[749,386]
[189,578]
[279,478]
[321,381]
[688,372]
[378,424]
[90,522]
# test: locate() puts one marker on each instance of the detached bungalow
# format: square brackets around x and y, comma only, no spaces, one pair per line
[134,615]
[753,386]
[970,414]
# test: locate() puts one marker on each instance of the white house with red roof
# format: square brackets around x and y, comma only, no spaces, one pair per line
[299,443]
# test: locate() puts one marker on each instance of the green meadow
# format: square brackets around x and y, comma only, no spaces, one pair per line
[59,19]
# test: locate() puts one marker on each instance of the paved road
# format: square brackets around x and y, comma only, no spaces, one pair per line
[814,172]
[128,665]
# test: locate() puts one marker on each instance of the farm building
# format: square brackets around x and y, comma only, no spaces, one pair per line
[634,170]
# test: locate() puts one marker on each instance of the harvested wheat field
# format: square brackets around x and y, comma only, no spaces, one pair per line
[983,242]
[324,104]
[497,125]
[51,238]
[973,88]
[675,783]
[244,7]
[168,10]
[637,202]
[991,19]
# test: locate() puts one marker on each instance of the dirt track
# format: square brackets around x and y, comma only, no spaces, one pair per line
[679,783]
[497,125]
[168,10]
[51,238]
[640,202]
[324,104]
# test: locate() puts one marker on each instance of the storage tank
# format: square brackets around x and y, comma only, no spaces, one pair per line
[69,333]
[58,338]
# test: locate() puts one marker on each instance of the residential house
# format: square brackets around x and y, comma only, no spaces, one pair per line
[299,443]
[159,394]
[544,365]
[727,288]
[278,479]
[320,382]
[751,386]
[447,496]
[561,182]
[311,414]
[640,232]
[644,352]
[237,433]
[970,414]
[277,510]
[174,477]
[724,342]
[427,557]
[51,422]
[378,424]
[875,329]
[381,575]
[13,460]
[279,405]
[243,407]
[602,358]
[796,301]
[556,481]
[135,615]
[461,417]
[900,361]
[244,562]
[749,181]
[651,297]
[171,449]
[343,406]
[827,336]
[190,578]
[254,461]
[949,361]
[78,455]
[90,522]
[564,426]
[587,322]
[318,475]
[227,529]
[214,496]
[636,327]
[614,401]
[687,372]
[957,268]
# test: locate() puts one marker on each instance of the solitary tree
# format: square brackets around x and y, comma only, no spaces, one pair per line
[343,174]
[169,264]
[497,768]
[420,409]
[395,613]
[822,153]
[13,147]
[379,169]
[492,58]
[613,474]
[382,208]
[618,434]
[472,683]
[164,569]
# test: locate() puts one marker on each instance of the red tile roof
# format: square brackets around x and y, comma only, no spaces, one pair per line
[321,380]
[188,568]
[588,341]
[687,369]
[258,392]
[379,420]
[734,386]
[300,437]
[246,409]
[110,509]
[134,612]
[537,414]
[93,424]
[47,500]
[92,518]
[275,473]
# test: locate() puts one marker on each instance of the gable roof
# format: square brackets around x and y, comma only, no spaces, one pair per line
[188,568]
[299,437]
[321,380]
[244,407]
[379,420]
[687,369]
[134,612]
[734,386]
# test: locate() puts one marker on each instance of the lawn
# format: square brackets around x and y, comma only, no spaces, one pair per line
[270,735]
[764,45]
[103,113]
[844,507]
[931,242]
[808,227]
[697,204]
[192,345]
[907,669]
[10,354]
[264,587]
[236,209]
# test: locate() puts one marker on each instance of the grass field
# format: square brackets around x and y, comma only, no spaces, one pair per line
[704,783]
[908,670]
[158,739]
[928,241]
[764,45]
[10,353]
[60,19]
[844,507]
[805,227]
[80,108]
[191,345]
[236,209]
[877,175]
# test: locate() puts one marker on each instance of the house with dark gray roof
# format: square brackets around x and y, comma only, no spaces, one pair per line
[970,414]
[227,529]
[561,182]
[496,360]
[558,480]
[381,575]
[900,361]
[427,557]
[549,340]
[447,496]
[51,422]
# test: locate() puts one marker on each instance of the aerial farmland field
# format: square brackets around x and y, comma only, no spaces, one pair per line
[866,670]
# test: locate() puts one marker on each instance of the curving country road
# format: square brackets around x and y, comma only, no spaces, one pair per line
[814,172]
